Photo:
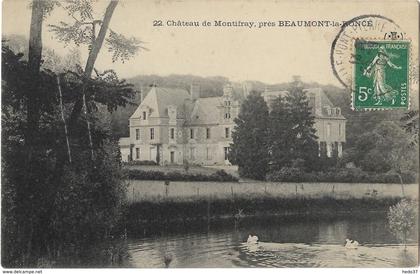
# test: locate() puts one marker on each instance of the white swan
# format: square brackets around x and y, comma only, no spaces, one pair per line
[252,239]
[351,244]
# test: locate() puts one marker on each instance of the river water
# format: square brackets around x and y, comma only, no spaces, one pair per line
[284,242]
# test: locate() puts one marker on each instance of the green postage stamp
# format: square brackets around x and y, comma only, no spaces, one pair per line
[381,75]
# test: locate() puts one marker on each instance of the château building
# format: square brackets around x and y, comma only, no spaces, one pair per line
[172,126]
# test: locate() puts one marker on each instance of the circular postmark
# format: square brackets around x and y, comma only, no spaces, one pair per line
[364,27]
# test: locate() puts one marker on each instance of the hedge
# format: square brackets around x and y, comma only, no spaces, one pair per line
[344,175]
[218,176]
[141,163]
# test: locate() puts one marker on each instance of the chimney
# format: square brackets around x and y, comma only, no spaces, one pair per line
[297,78]
[194,92]
[297,81]
[246,89]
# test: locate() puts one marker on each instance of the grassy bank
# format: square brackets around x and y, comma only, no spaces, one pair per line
[146,215]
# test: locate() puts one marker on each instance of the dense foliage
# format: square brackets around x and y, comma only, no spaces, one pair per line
[62,184]
[291,134]
[57,206]
[266,141]
[386,147]
[339,175]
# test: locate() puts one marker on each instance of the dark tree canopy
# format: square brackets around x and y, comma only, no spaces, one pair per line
[302,134]
[249,149]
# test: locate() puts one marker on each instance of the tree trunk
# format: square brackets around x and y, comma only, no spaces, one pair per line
[93,55]
[34,62]
[97,45]
[33,115]
[402,184]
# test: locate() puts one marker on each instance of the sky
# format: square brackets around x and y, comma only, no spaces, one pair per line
[271,55]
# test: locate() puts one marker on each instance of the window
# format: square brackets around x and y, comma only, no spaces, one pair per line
[144,115]
[311,102]
[323,149]
[208,153]
[329,150]
[192,153]
[227,132]
[226,152]
[339,129]
[191,133]
[328,130]
[227,113]
[137,153]
[208,133]
[137,134]
[172,157]
[172,134]
[152,133]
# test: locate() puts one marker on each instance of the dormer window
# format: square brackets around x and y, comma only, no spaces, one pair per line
[172,113]
[329,111]
[144,115]
[338,111]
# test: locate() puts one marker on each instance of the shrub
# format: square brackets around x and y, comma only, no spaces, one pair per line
[402,218]
[287,174]
[338,175]
[142,163]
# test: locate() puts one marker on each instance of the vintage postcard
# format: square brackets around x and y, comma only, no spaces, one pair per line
[209,134]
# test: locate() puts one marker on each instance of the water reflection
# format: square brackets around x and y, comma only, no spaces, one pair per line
[286,242]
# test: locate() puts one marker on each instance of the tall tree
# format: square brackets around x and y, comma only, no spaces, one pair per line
[250,147]
[31,187]
[302,134]
[279,127]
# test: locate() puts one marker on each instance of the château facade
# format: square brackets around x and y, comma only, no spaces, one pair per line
[172,126]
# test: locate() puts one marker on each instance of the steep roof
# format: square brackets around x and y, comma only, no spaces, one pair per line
[158,99]
[322,102]
[205,111]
